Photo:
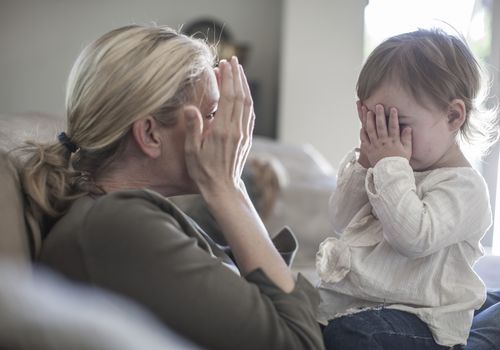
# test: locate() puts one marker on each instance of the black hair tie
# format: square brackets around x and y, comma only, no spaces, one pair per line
[66,142]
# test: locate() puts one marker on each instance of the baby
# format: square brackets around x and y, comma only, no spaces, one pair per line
[409,208]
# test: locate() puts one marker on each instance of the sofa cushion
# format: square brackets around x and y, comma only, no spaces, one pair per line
[17,241]
[20,237]
[29,126]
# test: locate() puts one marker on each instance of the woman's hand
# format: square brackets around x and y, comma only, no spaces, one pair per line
[380,140]
[215,159]
[215,162]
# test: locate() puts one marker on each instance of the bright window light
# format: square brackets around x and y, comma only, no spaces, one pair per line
[495,247]
[385,18]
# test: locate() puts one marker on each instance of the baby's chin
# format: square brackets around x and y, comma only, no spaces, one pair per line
[416,165]
[419,166]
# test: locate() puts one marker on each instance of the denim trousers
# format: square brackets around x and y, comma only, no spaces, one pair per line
[379,329]
[485,331]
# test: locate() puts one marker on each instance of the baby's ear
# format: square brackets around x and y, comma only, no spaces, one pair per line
[456,114]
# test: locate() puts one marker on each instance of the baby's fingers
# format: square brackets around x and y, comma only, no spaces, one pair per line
[406,139]
[371,132]
[364,112]
[394,123]
[360,112]
[381,125]
[363,136]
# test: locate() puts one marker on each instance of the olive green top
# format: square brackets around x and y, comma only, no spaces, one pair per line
[139,244]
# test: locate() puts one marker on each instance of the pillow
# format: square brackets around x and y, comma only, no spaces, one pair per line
[20,236]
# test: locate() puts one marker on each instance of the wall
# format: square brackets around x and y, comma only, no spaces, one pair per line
[321,42]
[322,53]
[40,39]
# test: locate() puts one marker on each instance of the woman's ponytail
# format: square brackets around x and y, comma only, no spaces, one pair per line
[48,179]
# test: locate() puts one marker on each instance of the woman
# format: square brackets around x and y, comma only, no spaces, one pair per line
[148,118]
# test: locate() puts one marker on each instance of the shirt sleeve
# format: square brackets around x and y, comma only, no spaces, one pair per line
[350,195]
[453,206]
[137,250]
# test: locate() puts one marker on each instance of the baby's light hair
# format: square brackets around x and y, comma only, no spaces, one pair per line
[432,64]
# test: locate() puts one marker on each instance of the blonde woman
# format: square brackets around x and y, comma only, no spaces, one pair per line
[147,118]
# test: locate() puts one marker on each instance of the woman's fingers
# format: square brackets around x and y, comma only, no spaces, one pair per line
[226,103]
[226,146]
[236,128]
[217,76]
[248,120]
[194,131]
[239,96]
[248,112]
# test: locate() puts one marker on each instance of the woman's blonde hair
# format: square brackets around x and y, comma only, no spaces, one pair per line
[432,64]
[126,74]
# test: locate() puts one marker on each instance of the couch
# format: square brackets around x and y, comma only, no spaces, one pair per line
[40,309]
[291,184]
[43,311]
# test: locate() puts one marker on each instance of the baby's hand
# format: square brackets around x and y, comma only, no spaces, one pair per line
[362,159]
[380,140]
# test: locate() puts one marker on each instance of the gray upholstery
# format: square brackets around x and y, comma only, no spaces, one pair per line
[39,310]
[17,128]
[14,236]
[20,237]
[305,179]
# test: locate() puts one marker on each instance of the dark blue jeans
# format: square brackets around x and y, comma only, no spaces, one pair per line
[485,331]
[381,329]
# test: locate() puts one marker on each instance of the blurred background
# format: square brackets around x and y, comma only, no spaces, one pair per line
[301,57]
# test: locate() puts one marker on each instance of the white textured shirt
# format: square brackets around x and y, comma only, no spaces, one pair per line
[407,241]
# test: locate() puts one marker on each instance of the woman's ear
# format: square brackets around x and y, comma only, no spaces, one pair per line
[146,135]
[456,114]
